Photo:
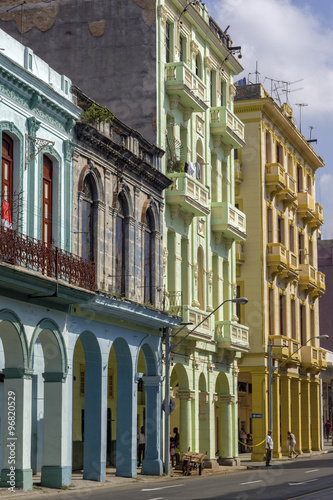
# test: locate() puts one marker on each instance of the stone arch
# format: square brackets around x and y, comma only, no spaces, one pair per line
[123,190]
[152,207]
[14,341]
[53,345]
[222,384]
[91,169]
[150,358]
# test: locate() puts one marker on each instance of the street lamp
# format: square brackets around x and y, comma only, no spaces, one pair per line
[168,350]
[272,369]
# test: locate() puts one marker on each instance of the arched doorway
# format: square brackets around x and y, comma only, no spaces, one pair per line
[184,400]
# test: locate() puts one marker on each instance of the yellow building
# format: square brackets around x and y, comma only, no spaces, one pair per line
[277,271]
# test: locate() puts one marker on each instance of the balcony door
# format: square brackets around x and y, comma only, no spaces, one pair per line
[6,181]
[47,200]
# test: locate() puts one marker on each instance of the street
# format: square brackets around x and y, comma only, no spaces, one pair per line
[300,478]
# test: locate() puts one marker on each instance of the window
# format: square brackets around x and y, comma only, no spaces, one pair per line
[6,181]
[309,183]
[182,48]
[198,66]
[82,380]
[301,249]
[201,290]
[87,219]
[293,319]
[47,200]
[120,246]
[222,91]
[213,88]
[268,148]
[279,153]
[281,230]
[299,179]
[271,311]
[282,306]
[291,238]
[311,252]
[168,42]
[312,326]
[148,292]
[269,225]
[303,324]
[290,165]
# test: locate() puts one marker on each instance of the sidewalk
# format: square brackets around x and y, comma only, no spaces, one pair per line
[79,484]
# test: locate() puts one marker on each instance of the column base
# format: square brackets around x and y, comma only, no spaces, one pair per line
[228,462]
[258,456]
[211,463]
[97,475]
[19,478]
[277,454]
[54,476]
[152,467]
[124,470]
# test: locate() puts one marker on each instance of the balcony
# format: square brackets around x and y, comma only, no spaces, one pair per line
[195,316]
[306,207]
[275,178]
[318,219]
[291,272]
[288,195]
[276,259]
[186,196]
[46,260]
[321,287]
[307,278]
[224,123]
[228,220]
[280,348]
[294,351]
[311,359]
[232,335]
[322,359]
[185,87]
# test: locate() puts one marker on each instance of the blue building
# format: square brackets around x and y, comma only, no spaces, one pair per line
[81,303]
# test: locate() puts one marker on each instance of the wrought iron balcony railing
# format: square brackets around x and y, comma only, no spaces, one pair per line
[48,260]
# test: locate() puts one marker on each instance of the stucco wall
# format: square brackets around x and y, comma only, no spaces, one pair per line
[100,45]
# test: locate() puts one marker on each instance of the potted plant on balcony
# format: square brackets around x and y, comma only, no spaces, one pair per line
[175,166]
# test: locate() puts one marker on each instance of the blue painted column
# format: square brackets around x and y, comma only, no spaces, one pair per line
[126,446]
[17,472]
[94,454]
[55,471]
[152,463]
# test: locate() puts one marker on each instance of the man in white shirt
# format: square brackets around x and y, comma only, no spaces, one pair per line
[269,447]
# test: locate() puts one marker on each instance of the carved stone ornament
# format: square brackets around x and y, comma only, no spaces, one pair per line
[187,112]
[195,271]
[162,12]
[187,395]
[208,63]
[175,211]
[232,90]
[165,257]
[196,363]
[226,398]
[174,101]
[188,219]
[211,366]
[194,47]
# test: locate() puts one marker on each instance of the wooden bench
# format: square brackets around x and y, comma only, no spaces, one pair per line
[193,461]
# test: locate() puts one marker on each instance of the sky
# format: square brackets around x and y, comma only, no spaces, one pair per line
[291,40]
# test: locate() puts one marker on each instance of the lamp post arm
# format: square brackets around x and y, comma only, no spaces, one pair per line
[291,355]
[191,331]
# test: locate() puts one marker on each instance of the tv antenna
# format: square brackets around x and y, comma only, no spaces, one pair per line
[287,90]
[256,72]
[301,105]
[311,140]
[275,86]
[22,7]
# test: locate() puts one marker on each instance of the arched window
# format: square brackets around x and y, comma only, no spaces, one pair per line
[148,259]
[201,281]
[87,219]
[47,200]
[6,181]
[121,264]
[198,66]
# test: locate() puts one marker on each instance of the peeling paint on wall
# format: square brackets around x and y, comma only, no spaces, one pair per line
[97,28]
[148,10]
[38,15]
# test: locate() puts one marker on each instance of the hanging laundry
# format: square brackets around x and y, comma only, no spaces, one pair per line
[6,218]
[191,168]
[198,170]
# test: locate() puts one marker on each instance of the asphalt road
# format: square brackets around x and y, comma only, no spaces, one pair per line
[300,478]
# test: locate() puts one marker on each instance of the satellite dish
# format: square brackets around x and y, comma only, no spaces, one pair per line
[172,405]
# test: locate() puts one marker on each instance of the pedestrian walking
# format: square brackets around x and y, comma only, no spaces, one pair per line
[292,443]
[141,445]
[269,447]
[242,438]
[327,429]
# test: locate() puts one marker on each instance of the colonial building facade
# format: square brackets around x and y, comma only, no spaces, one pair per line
[278,272]
[172,80]
[81,281]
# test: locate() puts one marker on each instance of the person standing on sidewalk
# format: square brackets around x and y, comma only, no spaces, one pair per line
[292,444]
[327,429]
[269,447]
